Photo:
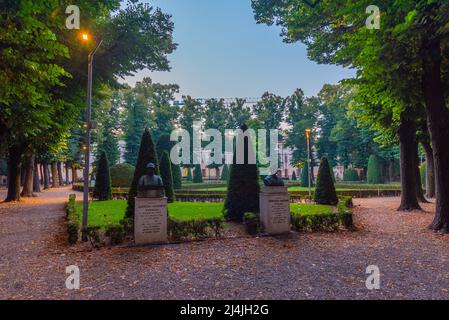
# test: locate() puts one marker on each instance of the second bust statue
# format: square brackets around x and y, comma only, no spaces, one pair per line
[274,180]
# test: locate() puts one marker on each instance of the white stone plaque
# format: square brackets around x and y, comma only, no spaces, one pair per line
[150,220]
[275,210]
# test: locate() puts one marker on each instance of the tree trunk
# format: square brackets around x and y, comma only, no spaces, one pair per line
[430,171]
[419,190]
[46,176]
[74,174]
[391,170]
[54,175]
[60,176]
[438,124]
[28,167]
[36,180]
[407,145]
[67,166]
[41,169]
[14,173]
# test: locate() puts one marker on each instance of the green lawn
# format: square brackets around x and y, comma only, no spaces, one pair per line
[309,209]
[104,213]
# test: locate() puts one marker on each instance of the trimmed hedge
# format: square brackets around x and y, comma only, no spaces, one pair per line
[115,233]
[252,223]
[374,170]
[351,175]
[194,229]
[326,221]
[197,174]
[72,220]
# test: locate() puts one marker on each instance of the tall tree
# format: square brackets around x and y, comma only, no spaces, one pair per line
[110,129]
[147,154]
[325,190]
[243,184]
[103,188]
[167,176]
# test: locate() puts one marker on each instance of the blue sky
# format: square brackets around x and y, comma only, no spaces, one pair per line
[223,53]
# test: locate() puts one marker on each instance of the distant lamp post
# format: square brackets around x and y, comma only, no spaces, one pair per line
[309,161]
[89,125]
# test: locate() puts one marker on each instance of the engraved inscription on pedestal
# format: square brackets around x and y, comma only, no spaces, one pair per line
[150,220]
[275,210]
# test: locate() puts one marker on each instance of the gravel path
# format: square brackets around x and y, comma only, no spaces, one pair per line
[413,261]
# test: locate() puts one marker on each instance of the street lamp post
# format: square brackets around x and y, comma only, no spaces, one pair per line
[309,162]
[89,125]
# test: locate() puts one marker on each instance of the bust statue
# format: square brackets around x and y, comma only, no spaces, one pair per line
[150,179]
[150,185]
[274,180]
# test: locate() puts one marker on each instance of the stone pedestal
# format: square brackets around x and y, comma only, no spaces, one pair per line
[150,220]
[275,210]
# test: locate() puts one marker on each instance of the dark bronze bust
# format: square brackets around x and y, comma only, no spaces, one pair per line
[274,180]
[150,185]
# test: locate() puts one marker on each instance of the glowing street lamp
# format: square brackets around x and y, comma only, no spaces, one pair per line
[309,161]
[89,125]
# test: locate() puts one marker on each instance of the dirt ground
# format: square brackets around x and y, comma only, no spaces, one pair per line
[413,261]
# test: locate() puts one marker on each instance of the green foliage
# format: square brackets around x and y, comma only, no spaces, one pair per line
[351,175]
[73,220]
[167,176]
[177,176]
[374,171]
[179,230]
[136,120]
[197,174]
[164,144]
[103,189]
[108,135]
[122,175]
[322,219]
[243,186]
[116,234]
[92,234]
[147,154]
[270,111]
[252,223]
[325,190]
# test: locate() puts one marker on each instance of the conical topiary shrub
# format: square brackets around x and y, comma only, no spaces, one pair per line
[225,173]
[197,174]
[374,173]
[243,186]
[103,189]
[325,189]
[167,177]
[147,153]
[177,177]
[294,178]
[305,176]
[189,174]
